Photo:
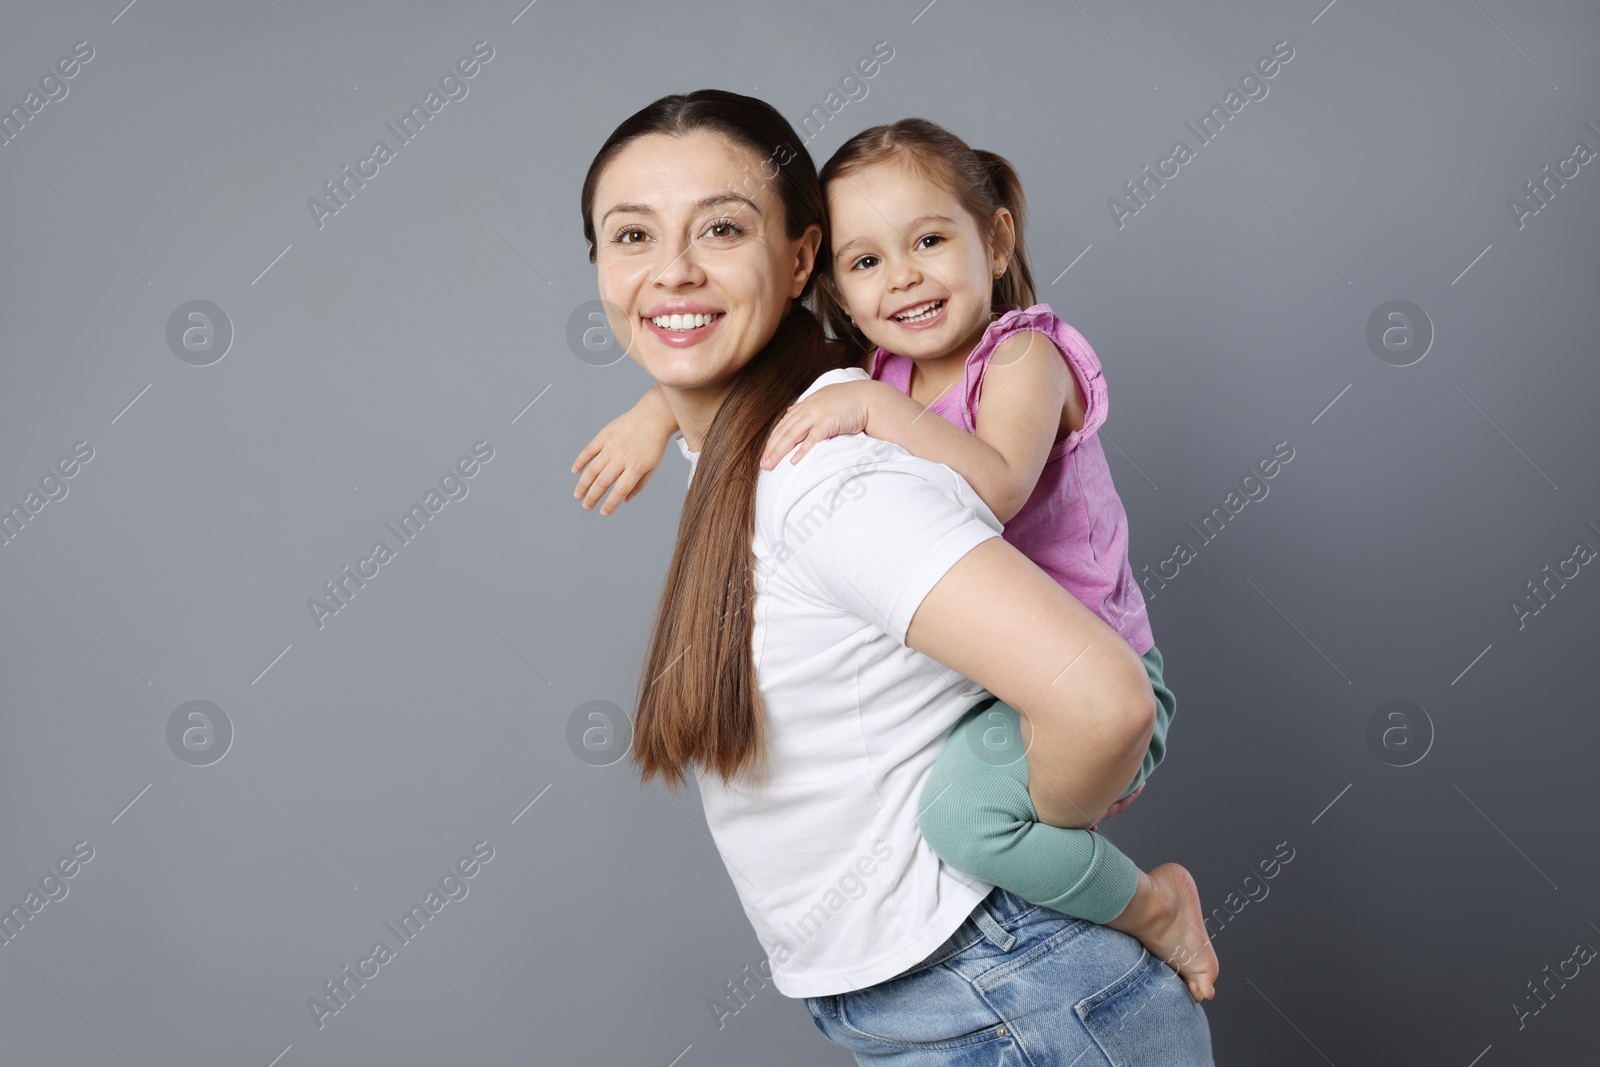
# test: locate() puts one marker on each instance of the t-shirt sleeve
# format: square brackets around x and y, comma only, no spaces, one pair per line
[875,536]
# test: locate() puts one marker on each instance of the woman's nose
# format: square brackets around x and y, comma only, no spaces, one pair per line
[682,267]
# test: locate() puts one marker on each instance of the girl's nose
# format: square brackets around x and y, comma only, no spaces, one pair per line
[904,274]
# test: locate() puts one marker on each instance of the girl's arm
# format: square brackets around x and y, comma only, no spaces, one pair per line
[625,453]
[1025,389]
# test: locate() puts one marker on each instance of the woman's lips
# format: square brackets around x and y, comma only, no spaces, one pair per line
[922,324]
[683,338]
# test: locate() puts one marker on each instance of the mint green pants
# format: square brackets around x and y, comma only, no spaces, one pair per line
[976,814]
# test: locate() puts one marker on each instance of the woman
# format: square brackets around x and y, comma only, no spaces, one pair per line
[825,624]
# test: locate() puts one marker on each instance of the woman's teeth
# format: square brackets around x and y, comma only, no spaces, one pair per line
[920,314]
[684,322]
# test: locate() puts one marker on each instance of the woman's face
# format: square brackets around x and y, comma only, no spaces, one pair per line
[694,267]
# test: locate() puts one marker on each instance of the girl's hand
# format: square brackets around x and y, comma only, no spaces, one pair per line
[1119,805]
[621,457]
[834,409]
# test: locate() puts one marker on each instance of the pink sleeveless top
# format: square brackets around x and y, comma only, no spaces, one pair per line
[1073,526]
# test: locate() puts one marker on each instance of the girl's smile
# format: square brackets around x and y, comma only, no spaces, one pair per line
[920,316]
[911,264]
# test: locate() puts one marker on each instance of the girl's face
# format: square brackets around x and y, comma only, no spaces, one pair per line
[694,266]
[910,263]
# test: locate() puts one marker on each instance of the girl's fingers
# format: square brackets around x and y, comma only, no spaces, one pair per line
[596,468]
[621,489]
[585,456]
[637,486]
[781,440]
[601,483]
[586,480]
[815,435]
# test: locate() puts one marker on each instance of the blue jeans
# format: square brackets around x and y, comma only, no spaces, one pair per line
[1020,984]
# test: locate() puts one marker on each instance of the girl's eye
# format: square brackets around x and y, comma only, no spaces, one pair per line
[933,237]
[864,263]
[724,228]
[629,235]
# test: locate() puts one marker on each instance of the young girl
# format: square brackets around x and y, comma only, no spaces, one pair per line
[928,275]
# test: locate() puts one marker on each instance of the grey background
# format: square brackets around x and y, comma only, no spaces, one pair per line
[370,754]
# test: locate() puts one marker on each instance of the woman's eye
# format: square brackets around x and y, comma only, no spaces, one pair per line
[632,235]
[724,228]
[932,237]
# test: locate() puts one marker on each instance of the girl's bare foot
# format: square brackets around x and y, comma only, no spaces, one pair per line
[1165,916]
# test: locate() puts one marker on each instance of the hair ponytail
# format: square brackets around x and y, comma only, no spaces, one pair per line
[699,701]
[982,181]
[1015,286]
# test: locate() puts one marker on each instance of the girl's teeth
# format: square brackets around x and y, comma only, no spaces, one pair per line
[926,312]
[682,322]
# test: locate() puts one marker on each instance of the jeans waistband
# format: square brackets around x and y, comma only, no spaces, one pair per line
[993,910]
[984,923]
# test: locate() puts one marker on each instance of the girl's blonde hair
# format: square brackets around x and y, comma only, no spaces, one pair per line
[982,181]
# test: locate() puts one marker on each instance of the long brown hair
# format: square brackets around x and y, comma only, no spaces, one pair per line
[982,181]
[699,701]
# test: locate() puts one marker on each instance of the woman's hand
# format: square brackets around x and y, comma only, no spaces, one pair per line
[1118,806]
[842,407]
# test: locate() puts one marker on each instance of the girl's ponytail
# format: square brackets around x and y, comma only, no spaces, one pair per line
[981,181]
[1015,286]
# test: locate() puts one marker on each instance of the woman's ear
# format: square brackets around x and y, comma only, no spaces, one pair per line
[805,259]
[1004,241]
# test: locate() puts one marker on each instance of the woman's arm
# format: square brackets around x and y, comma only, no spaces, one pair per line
[1087,707]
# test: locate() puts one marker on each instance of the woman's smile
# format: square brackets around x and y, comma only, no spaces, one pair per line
[681,323]
[693,262]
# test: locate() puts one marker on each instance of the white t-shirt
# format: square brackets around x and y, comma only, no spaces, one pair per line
[833,873]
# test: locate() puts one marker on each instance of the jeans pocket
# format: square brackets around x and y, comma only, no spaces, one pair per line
[1147,1016]
[916,1029]
[817,1008]
[934,1010]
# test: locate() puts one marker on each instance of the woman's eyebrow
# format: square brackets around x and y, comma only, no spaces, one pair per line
[726,198]
[710,201]
[628,209]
